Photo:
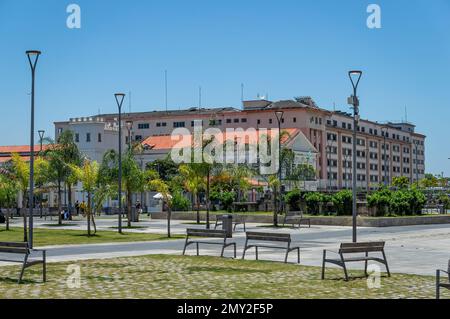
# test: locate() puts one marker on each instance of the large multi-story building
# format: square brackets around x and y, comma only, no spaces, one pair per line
[384,150]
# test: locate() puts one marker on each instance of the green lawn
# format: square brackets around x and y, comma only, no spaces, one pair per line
[45,237]
[163,276]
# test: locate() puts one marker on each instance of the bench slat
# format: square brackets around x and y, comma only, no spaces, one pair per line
[13,244]
[206,233]
[268,236]
[13,250]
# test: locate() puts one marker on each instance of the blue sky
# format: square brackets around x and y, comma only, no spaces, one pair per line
[282,48]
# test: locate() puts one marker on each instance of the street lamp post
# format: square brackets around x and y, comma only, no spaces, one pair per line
[129,125]
[119,100]
[41,138]
[279,115]
[355,77]
[417,163]
[33,57]
[384,131]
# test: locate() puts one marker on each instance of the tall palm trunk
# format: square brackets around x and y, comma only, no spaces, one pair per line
[8,210]
[207,200]
[59,203]
[24,215]
[88,214]
[129,208]
[169,217]
[275,208]
[197,200]
[69,197]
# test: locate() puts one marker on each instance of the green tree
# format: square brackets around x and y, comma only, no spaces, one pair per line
[162,187]
[88,174]
[61,156]
[401,182]
[8,194]
[194,182]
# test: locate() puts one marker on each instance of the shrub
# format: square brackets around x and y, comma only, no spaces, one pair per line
[225,198]
[444,200]
[293,198]
[342,201]
[180,202]
[381,200]
[313,201]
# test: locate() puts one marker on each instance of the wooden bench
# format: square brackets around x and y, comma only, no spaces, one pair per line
[270,237]
[356,248]
[22,248]
[440,284]
[237,220]
[207,233]
[295,218]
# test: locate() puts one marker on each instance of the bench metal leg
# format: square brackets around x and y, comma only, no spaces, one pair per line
[245,249]
[286,257]
[298,254]
[438,281]
[234,246]
[44,266]
[256,248]
[23,268]
[185,245]
[323,264]
[386,264]
[365,265]
[197,249]
[345,272]
[244,227]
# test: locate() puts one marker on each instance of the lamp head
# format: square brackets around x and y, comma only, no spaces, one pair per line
[33,53]
[355,76]
[41,134]
[279,115]
[129,124]
[119,99]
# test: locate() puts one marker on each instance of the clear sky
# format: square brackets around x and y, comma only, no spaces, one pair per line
[281,48]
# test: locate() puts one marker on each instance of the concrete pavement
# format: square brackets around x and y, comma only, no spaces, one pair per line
[409,249]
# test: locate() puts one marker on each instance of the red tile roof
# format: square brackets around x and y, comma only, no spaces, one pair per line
[20,149]
[165,142]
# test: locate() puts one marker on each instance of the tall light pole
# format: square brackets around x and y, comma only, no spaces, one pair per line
[279,114]
[33,57]
[417,163]
[41,138]
[384,131]
[129,125]
[355,77]
[119,100]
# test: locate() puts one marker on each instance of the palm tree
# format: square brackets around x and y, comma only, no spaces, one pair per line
[194,182]
[88,174]
[8,193]
[132,176]
[162,187]
[61,156]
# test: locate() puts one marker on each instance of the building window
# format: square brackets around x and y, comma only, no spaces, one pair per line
[99,137]
[143,126]
[178,124]
[295,120]
[138,137]
[258,121]
[270,121]
[77,138]
[88,137]
[228,121]
[236,120]
[243,120]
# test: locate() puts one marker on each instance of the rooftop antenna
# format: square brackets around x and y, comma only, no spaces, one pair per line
[242,93]
[165,87]
[199,98]
[129,102]
[406,114]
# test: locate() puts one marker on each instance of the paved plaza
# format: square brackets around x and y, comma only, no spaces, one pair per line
[410,249]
